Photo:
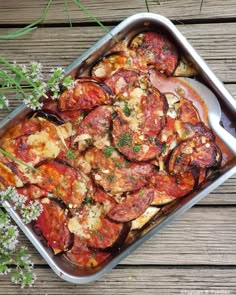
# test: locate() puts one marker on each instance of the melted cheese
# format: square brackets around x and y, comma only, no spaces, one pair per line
[91,222]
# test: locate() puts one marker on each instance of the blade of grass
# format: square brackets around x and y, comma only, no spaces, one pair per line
[90,15]
[30,27]
[67,12]
[147,6]
[201,4]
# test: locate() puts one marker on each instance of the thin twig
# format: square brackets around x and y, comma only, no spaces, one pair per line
[28,28]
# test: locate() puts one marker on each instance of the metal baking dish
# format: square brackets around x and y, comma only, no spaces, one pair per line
[81,67]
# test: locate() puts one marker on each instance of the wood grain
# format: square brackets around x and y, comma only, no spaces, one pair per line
[132,280]
[26,11]
[201,236]
[61,46]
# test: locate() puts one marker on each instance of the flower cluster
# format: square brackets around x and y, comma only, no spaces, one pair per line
[35,88]
[9,253]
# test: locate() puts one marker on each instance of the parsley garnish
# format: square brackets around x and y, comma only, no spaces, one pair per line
[110,177]
[126,110]
[125,140]
[107,151]
[136,148]
[165,47]
[70,154]
[178,180]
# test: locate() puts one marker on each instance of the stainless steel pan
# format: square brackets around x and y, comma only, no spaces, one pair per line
[127,29]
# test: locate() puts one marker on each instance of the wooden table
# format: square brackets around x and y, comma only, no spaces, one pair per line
[196,254]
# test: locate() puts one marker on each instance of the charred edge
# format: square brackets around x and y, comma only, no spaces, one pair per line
[50,116]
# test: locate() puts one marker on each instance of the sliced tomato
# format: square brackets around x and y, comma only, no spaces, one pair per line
[65,182]
[132,206]
[82,256]
[94,128]
[187,112]
[155,50]
[102,197]
[25,127]
[85,95]
[32,191]
[122,80]
[109,64]
[115,174]
[75,116]
[187,130]
[92,226]
[168,187]
[53,224]
[195,152]
[132,144]
[140,118]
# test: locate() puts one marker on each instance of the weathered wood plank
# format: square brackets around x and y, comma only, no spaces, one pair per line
[203,235]
[26,11]
[147,280]
[60,46]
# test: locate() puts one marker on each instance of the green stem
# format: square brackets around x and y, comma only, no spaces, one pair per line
[67,13]
[14,70]
[18,86]
[200,10]
[28,28]
[18,160]
[147,6]
[94,18]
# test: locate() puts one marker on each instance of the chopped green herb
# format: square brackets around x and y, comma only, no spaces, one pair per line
[125,140]
[128,61]
[141,192]
[178,180]
[126,110]
[136,148]
[165,47]
[87,199]
[70,154]
[110,177]
[163,148]
[107,151]
[186,132]
[88,141]
[118,164]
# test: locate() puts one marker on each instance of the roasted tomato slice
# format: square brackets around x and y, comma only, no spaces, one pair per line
[156,51]
[132,206]
[65,182]
[115,174]
[123,80]
[195,152]
[81,255]
[168,187]
[52,106]
[140,118]
[187,130]
[92,226]
[187,112]
[94,129]
[42,145]
[25,127]
[109,64]
[32,192]
[53,224]
[85,95]
[102,197]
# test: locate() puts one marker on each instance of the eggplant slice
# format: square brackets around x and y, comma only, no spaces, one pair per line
[53,224]
[85,95]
